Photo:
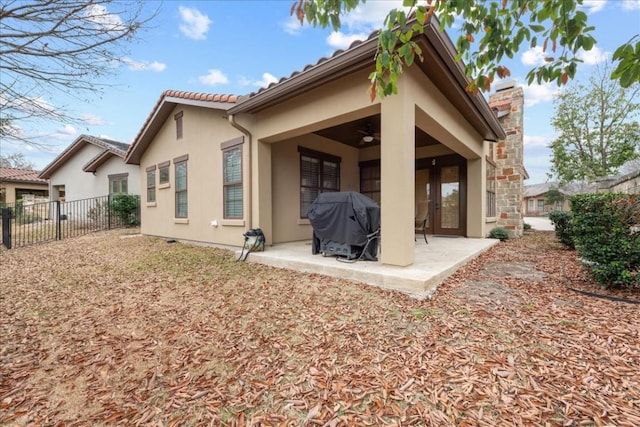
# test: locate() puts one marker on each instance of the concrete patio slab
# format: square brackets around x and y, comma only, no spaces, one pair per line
[434,262]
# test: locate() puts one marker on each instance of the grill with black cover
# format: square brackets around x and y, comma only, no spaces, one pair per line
[346,224]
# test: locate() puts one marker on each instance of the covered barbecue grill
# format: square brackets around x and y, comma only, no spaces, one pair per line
[346,224]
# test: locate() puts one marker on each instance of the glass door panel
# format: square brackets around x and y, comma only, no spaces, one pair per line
[449,197]
[422,198]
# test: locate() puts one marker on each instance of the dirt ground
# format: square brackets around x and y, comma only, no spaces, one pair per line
[118,329]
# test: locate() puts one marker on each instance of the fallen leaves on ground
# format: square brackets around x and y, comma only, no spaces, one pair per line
[110,329]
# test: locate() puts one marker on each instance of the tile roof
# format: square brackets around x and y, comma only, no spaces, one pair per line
[372,35]
[21,175]
[175,97]
[114,148]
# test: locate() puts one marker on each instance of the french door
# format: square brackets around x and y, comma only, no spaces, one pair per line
[440,194]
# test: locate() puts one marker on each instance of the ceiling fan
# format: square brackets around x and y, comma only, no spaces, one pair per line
[368,135]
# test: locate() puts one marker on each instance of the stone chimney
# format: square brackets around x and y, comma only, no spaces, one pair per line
[508,104]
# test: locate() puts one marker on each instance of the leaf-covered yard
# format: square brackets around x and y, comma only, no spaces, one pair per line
[117,329]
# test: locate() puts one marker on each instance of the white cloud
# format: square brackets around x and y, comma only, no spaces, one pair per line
[99,15]
[593,6]
[536,141]
[339,40]
[65,132]
[292,26]
[92,119]
[144,65]
[195,25]
[267,79]
[533,56]
[536,94]
[631,4]
[214,77]
[369,16]
[593,56]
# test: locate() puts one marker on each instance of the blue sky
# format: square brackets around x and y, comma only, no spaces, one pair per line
[235,47]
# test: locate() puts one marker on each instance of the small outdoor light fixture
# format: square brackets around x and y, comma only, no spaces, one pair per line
[367,138]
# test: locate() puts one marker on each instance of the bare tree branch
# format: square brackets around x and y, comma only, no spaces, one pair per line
[67,47]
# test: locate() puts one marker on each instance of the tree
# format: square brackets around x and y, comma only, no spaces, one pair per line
[553,196]
[491,31]
[596,127]
[15,160]
[48,47]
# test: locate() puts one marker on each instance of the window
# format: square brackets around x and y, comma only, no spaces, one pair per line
[531,206]
[541,206]
[178,119]
[319,172]
[181,186]
[491,188]
[232,171]
[151,184]
[118,183]
[163,171]
[370,180]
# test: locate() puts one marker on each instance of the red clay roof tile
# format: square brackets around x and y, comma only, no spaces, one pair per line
[21,175]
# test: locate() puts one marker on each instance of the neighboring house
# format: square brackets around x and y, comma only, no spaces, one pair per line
[535,198]
[16,183]
[91,167]
[214,166]
[628,183]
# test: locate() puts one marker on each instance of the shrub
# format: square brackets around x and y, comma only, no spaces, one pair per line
[526,226]
[126,208]
[499,233]
[605,235]
[562,222]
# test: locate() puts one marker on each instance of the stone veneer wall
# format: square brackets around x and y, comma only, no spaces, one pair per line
[508,156]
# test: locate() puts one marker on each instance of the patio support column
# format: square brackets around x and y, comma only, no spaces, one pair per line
[476,197]
[397,176]
[261,194]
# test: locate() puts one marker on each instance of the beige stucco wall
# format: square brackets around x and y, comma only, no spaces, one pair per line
[10,188]
[203,131]
[287,224]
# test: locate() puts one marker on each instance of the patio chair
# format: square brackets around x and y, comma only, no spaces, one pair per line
[421,221]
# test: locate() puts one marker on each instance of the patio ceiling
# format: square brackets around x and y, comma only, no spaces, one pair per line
[350,133]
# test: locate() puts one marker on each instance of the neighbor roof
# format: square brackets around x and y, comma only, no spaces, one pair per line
[110,148]
[21,175]
[164,106]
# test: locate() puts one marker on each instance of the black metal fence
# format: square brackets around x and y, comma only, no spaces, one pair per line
[26,224]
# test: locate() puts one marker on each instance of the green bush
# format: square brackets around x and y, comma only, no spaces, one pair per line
[605,235]
[562,223]
[126,207]
[526,226]
[499,233]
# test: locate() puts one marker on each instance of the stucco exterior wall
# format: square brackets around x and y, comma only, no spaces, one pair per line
[203,132]
[287,224]
[80,185]
[9,188]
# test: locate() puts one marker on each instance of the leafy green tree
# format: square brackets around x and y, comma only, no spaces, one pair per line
[596,126]
[553,196]
[59,46]
[492,31]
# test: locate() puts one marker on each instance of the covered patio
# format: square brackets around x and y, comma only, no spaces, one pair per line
[433,262]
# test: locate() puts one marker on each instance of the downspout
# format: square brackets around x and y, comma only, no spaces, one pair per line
[232,121]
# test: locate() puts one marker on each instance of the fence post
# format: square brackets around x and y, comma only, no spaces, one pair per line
[6,227]
[109,212]
[58,220]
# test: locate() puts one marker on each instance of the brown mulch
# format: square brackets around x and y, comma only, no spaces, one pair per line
[113,329]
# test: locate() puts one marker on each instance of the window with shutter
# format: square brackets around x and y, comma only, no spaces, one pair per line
[319,172]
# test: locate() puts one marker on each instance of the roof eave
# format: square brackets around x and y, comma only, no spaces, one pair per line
[158,117]
[345,63]
[443,44]
[93,164]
